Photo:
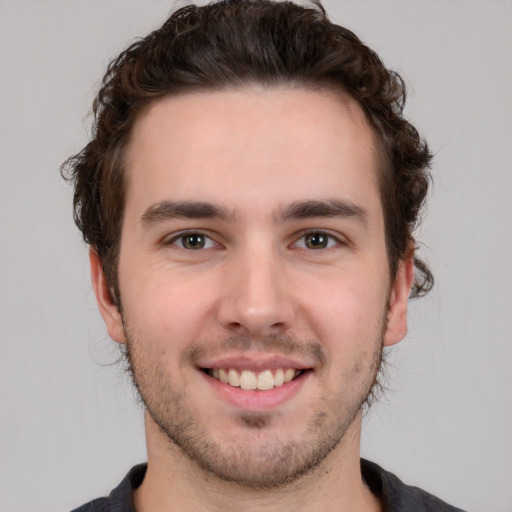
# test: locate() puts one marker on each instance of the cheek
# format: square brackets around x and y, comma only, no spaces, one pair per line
[347,312]
[169,312]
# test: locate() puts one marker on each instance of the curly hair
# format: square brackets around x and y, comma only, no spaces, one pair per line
[236,43]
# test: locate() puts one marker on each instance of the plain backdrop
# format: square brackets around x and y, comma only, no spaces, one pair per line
[70,427]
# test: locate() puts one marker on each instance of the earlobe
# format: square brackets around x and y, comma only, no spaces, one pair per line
[397,314]
[106,304]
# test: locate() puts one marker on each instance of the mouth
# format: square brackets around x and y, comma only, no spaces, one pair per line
[249,380]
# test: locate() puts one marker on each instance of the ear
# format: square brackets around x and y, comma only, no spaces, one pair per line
[397,314]
[104,298]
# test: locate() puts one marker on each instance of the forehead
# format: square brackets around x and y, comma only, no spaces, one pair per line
[264,147]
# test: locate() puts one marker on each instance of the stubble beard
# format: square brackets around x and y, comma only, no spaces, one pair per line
[276,463]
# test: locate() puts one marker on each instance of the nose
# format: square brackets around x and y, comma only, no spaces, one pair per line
[256,297]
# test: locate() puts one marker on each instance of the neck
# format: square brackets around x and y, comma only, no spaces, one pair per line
[174,482]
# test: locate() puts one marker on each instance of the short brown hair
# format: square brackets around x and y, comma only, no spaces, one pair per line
[235,43]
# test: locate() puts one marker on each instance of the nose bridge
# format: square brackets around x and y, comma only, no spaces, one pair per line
[256,298]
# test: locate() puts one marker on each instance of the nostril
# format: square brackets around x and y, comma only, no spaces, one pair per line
[236,327]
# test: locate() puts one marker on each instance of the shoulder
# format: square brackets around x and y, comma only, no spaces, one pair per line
[121,498]
[98,505]
[399,497]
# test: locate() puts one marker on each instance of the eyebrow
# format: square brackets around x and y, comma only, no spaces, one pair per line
[335,208]
[168,210]
[297,210]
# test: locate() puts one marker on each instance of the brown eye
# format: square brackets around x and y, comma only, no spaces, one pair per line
[317,240]
[193,241]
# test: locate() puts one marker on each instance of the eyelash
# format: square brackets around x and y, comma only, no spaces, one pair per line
[210,243]
[330,238]
[184,234]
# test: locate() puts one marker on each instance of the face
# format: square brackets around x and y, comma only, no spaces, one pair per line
[253,278]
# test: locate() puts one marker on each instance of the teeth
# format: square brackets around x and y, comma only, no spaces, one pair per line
[265,380]
[249,380]
[234,378]
[223,376]
[279,377]
[289,374]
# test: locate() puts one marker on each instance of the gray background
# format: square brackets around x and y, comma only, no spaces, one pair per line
[69,426]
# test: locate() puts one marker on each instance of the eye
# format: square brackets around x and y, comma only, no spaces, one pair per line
[317,240]
[193,241]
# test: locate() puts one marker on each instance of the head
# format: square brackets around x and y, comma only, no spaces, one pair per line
[235,44]
[249,195]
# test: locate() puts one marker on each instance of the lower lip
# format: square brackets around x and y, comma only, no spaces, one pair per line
[257,400]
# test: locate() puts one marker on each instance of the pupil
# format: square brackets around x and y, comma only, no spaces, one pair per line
[193,241]
[316,241]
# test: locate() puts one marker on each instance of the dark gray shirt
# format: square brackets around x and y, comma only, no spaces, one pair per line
[393,493]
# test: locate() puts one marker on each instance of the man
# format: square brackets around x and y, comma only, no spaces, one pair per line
[249,196]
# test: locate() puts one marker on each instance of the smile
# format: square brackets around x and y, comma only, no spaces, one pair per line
[254,381]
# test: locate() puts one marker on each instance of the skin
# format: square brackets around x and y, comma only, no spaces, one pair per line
[263,286]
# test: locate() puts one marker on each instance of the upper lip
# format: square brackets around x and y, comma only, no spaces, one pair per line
[254,362]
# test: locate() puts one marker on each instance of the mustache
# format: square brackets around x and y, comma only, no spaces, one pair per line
[281,343]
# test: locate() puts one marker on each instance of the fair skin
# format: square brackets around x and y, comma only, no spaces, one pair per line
[253,241]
